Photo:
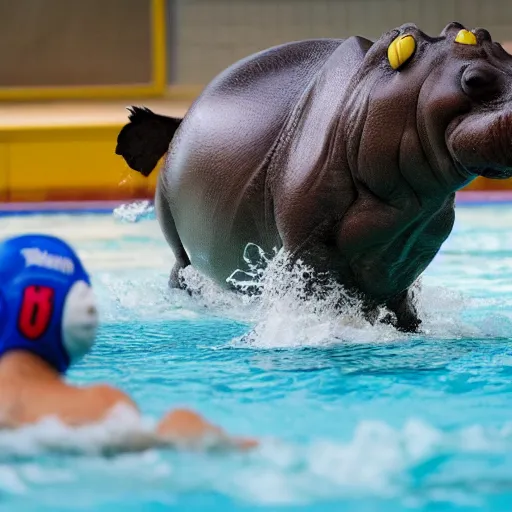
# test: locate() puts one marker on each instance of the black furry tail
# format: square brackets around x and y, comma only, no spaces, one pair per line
[145,139]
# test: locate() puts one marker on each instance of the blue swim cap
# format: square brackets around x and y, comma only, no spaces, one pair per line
[46,302]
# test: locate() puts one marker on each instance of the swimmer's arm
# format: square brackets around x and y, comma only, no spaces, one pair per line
[124,431]
[189,429]
[179,428]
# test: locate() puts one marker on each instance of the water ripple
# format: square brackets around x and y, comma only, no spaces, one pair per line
[354,417]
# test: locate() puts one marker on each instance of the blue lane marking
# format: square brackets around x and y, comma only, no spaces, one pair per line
[26,213]
[108,207]
[471,204]
[96,208]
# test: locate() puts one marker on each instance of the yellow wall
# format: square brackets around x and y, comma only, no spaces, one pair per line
[4,165]
[485,184]
[67,163]
[73,163]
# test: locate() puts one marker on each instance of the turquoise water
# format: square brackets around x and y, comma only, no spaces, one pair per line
[353,417]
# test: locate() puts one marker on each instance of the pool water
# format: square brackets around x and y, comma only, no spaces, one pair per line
[352,417]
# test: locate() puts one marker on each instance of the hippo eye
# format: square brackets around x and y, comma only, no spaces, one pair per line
[466,37]
[401,50]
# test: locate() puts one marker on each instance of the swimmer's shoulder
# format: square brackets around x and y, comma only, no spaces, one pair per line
[105,397]
[74,406]
[78,406]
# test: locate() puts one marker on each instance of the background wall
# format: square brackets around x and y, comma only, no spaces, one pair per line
[110,42]
[106,54]
[209,35]
[74,42]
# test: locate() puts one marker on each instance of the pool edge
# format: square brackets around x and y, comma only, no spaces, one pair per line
[466,197]
[483,197]
[64,207]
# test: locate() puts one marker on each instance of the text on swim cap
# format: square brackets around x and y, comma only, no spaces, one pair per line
[34,257]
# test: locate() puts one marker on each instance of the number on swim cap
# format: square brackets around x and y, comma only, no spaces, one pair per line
[36,311]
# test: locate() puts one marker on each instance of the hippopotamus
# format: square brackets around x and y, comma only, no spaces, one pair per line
[344,153]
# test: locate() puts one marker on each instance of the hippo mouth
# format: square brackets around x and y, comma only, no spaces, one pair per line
[492,173]
[481,144]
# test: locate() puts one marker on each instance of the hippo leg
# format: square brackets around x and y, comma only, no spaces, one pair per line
[402,305]
[406,315]
[166,221]
[174,278]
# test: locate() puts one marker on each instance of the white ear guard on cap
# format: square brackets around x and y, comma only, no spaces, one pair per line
[79,321]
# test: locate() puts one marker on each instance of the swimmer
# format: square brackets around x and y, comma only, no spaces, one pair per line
[48,322]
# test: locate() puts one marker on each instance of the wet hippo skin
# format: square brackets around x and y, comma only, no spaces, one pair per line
[345,153]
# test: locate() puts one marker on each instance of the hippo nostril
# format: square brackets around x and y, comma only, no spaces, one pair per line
[481,83]
[476,80]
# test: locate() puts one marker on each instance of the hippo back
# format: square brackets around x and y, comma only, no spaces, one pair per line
[249,102]
[214,175]
[255,96]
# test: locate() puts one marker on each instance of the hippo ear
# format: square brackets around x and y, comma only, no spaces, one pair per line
[401,50]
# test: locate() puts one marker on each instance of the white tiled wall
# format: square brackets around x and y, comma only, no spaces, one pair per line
[212,34]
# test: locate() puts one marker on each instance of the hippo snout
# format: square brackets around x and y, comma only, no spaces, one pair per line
[482,143]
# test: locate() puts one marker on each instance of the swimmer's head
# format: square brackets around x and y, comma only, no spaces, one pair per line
[47,306]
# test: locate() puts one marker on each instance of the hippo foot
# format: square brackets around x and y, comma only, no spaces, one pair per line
[409,325]
[402,314]
[176,281]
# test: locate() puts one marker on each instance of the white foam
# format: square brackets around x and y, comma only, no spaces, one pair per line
[51,435]
[377,459]
[286,315]
[134,212]
[281,316]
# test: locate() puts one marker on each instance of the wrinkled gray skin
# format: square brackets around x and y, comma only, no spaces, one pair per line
[322,148]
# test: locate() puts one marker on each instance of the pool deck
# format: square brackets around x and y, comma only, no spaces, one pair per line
[64,150]
[23,115]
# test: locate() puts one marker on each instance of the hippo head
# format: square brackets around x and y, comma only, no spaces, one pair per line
[442,104]
[480,139]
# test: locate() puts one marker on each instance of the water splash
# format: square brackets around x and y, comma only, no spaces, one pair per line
[379,460]
[280,308]
[411,462]
[135,212]
[143,298]
[292,312]
[50,435]
[285,312]
[282,311]
[251,279]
